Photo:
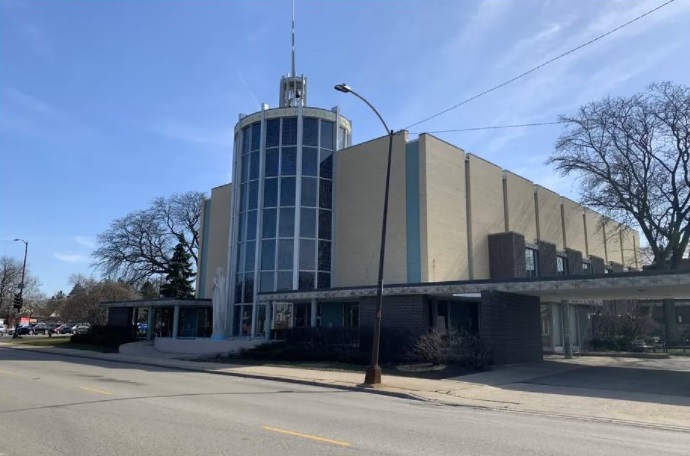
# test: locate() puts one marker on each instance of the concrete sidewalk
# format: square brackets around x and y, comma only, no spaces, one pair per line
[522,389]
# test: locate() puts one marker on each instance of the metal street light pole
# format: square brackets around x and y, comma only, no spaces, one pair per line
[373,374]
[21,285]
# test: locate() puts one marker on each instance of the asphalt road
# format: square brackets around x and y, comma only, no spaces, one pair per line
[60,405]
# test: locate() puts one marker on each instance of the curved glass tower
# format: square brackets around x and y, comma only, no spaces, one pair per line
[282,209]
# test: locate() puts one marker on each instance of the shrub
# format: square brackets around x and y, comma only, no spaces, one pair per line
[304,351]
[107,337]
[452,348]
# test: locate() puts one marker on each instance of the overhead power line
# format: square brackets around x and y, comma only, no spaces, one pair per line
[493,127]
[541,65]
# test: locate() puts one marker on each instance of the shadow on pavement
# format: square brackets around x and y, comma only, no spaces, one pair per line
[671,387]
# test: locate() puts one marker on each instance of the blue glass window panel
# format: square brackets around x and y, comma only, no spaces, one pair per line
[288,163]
[326,164]
[289,131]
[246,138]
[284,281]
[325,224]
[286,222]
[266,280]
[310,161]
[269,223]
[310,129]
[307,254]
[243,227]
[326,135]
[251,225]
[306,280]
[248,288]
[254,165]
[286,253]
[287,191]
[341,138]
[268,255]
[243,197]
[244,168]
[309,191]
[271,166]
[249,256]
[253,195]
[238,287]
[324,256]
[307,223]
[272,132]
[256,136]
[239,265]
[324,280]
[325,193]
[271,192]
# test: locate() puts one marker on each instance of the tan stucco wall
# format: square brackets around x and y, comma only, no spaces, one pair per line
[520,204]
[549,219]
[359,189]
[595,235]
[486,217]
[629,247]
[614,253]
[443,233]
[574,226]
[218,235]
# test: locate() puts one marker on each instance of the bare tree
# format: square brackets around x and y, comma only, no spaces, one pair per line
[631,157]
[82,303]
[10,277]
[139,245]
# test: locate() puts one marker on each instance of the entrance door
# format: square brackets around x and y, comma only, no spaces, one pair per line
[558,329]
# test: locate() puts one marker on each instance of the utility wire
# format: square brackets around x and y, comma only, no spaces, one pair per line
[494,127]
[541,65]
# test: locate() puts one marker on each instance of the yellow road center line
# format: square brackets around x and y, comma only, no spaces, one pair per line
[93,390]
[306,436]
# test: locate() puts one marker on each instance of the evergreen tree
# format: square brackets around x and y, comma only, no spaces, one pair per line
[149,291]
[180,275]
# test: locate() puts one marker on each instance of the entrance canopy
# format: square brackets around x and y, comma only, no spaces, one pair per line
[645,285]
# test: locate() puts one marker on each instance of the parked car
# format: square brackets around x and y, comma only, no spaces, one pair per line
[3,330]
[40,328]
[25,330]
[81,328]
[65,328]
[52,327]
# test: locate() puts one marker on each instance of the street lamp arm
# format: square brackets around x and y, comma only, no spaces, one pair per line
[388,131]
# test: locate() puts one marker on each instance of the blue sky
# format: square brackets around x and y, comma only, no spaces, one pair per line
[105,105]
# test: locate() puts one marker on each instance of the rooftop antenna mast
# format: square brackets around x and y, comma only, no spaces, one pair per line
[294,71]
[293,89]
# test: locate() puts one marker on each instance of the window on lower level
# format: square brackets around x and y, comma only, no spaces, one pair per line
[531,258]
[561,265]
[586,268]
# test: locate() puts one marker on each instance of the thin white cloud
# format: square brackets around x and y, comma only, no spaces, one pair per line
[27,115]
[193,134]
[71,257]
[87,241]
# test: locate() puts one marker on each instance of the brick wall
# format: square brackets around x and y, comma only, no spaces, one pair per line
[510,325]
[598,265]
[119,316]
[574,261]
[507,255]
[403,319]
[547,259]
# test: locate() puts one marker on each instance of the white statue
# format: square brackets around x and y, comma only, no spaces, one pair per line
[220,305]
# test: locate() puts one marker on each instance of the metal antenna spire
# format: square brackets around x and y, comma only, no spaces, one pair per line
[294,71]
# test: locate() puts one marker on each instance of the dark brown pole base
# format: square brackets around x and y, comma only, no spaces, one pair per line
[373,375]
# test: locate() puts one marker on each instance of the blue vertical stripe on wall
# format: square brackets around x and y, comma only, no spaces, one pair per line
[204,249]
[414,266]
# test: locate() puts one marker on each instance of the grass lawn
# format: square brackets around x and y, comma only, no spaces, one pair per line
[39,341]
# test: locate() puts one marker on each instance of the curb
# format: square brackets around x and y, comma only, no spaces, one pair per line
[358,388]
